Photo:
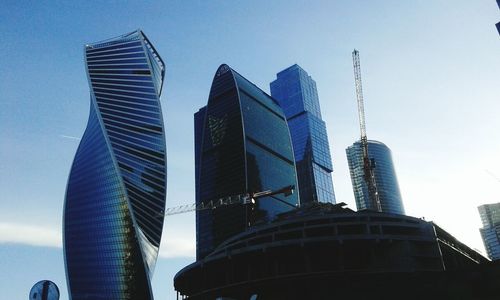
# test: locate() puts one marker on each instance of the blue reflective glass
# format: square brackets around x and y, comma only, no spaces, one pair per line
[266,171]
[94,67]
[116,62]
[119,77]
[120,72]
[132,110]
[385,177]
[124,93]
[124,87]
[115,198]
[243,145]
[134,116]
[136,134]
[101,49]
[116,56]
[129,101]
[127,82]
[116,120]
[296,93]
[275,136]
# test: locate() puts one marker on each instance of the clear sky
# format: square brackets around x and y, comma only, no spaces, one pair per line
[430,76]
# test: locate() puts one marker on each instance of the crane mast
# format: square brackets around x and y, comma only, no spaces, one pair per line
[368,165]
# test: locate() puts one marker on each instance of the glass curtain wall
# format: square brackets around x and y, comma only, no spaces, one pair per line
[115,197]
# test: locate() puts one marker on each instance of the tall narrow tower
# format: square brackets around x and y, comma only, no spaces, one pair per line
[115,197]
[384,174]
[242,146]
[296,93]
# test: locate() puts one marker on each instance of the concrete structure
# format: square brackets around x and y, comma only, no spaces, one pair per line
[323,250]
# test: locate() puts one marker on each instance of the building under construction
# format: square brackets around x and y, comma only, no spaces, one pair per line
[385,177]
[321,251]
[372,171]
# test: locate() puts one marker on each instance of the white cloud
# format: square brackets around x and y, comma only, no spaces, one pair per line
[11,233]
[178,234]
[177,247]
[69,137]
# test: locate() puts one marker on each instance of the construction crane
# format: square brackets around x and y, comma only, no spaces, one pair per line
[492,175]
[245,199]
[368,164]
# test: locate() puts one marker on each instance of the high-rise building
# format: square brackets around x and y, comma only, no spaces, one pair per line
[498,24]
[296,93]
[245,148]
[115,197]
[385,177]
[199,118]
[490,217]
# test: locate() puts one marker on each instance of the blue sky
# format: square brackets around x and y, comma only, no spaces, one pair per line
[430,76]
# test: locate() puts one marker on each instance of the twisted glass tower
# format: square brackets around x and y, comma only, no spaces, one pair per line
[115,197]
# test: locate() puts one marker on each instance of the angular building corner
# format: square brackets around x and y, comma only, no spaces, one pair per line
[498,24]
[115,196]
[297,94]
[242,145]
[490,233]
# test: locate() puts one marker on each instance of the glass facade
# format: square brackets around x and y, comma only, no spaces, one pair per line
[199,118]
[296,93]
[242,145]
[498,24]
[385,177]
[490,217]
[115,197]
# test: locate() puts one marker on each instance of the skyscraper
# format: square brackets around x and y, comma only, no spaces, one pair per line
[385,177]
[296,93]
[199,118]
[245,148]
[490,217]
[498,24]
[115,197]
